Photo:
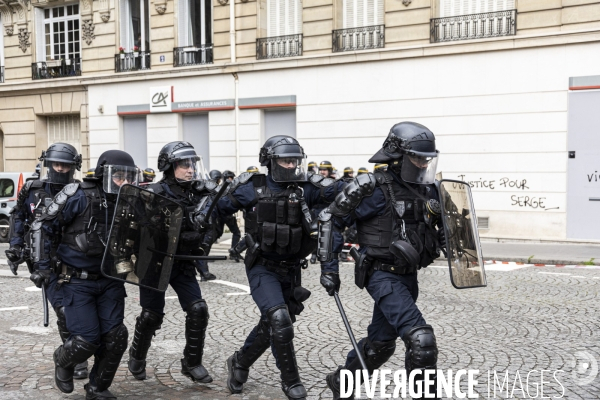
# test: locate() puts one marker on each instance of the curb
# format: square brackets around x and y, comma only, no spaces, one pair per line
[542,265]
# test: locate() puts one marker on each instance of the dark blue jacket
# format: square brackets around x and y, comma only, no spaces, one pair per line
[25,216]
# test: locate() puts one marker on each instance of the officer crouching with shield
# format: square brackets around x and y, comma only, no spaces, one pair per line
[94,306]
[181,168]
[397,219]
[279,235]
[60,161]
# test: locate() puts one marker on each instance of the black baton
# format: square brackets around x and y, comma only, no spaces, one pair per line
[45,305]
[349,330]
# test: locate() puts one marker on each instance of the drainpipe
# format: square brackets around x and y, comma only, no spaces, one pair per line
[237,125]
[232,29]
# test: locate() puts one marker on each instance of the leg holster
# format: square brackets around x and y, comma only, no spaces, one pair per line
[61,322]
[148,322]
[196,322]
[282,335]
[115,344]
[421,352]
[245,359]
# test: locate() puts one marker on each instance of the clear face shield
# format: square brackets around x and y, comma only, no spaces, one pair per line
[289,169]
[115,176]
[419,169]
[189,169]
[59,173]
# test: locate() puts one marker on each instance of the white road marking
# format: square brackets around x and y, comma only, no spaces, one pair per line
[33,289]
[554,273]
[32,329]
[578,276]
[14,308]
[237,294]
[170,297]
[232,284]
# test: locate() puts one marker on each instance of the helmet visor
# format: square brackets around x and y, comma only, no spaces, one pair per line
[288,169]
[419,169]
[60,173]
[116,176]
[189,169]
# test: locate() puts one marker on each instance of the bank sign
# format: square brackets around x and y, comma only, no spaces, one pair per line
[161,99]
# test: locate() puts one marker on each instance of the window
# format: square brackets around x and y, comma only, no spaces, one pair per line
[58,33]
[359,13]
[66,129]
[284,17]
[451,8]
[195,22]
[280,122]
[135,25]
[7,188]
[195,131]
[135,140]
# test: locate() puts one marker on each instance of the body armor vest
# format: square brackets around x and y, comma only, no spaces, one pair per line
[88,232]
[379,232]
[278,222]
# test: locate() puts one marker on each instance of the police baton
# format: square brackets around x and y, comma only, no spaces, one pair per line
[45,305]
[349,330]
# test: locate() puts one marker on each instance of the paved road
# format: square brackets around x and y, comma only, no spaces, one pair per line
[526,319]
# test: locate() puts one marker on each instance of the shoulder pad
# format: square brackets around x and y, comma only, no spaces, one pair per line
[315,178]
[22,196]
[155,188]
[84,184]
[350,197]
[239,180]
[71,188]
[382,177]
[59,201]
[320,181]
[36,184]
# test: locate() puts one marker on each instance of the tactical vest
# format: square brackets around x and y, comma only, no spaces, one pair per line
[88,232]
[278,222]
[378,233]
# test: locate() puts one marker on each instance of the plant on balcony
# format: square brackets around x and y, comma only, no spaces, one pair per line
[122,52]
[136,51]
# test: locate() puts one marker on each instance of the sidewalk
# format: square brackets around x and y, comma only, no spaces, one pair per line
[541,253]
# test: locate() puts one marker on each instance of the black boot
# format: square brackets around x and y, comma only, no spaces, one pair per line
[74,351]
[107,362]
[313,258]
[333,383]
[196,322]
[81,371]
[238,365]
[282,335]
[148,322]
[92,393]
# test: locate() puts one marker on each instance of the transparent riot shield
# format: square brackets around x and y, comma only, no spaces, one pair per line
[143,238]
[462,238]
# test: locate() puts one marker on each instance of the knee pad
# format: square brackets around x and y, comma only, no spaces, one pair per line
[149,320]
[197,313]
[115,340]
[282,328]
[421,348]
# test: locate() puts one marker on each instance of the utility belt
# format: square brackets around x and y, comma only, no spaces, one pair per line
[282,268]
[68,272]
[377,265]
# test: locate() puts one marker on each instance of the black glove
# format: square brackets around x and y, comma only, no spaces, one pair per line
[441,236]
[40,277]
[331,282]
[15,253]
[199,224]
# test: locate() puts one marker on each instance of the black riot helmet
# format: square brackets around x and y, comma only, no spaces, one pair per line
[312,166]
[181,155]
[285,159]
[116,168]
[60,162]
[252,169]
[362,170]
[215,175]
[228,175]
[410,149]
[348,172]
[148,175]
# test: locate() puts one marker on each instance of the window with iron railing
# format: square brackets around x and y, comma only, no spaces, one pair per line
[362,26]
[279,46]
[473,19]
[134,25]
[195,33]
[284,30]
[134,61]
[56,69]
[193,55]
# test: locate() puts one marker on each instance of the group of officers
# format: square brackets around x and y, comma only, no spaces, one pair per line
[60,229]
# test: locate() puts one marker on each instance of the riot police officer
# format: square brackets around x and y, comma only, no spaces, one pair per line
[252,169]
[311,168]
[278,235]
[148,175]
[94,306]
[326,169]
[398,234]
[181,168]
[90,173]
[216,176]
[60,161]
[348,175]
[362,170]
[380,167]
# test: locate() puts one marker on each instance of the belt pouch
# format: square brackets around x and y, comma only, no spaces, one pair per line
[295,239]
[281,211]
[283,238]
[268,236]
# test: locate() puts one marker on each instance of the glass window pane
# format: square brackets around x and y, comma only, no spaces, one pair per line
[76,24]
[77,36]
[47,13]
[55,12]
[76,9]
[61,11]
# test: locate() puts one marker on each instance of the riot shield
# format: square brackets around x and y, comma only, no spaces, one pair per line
[143,238]
[462,238]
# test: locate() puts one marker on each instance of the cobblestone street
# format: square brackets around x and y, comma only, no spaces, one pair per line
[526,319]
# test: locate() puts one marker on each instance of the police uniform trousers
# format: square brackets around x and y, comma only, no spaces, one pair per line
[231,222]
[54,295]
[268,289]
[182,280]
[395,311]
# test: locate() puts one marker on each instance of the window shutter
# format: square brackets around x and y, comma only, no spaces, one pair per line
[40,39]
[183,22]
[358,13]
[125,24]
[449,8]
[1,42]
[65,128]
[284,17]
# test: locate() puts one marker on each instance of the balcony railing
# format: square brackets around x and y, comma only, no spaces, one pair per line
[363,38]
[279,46]
[2,74]
[56,69]
[193,55]
[474,26]
[125,62]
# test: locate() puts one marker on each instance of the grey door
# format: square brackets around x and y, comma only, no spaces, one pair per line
[280,122]
[135,139]
[583,170]
[195,131]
